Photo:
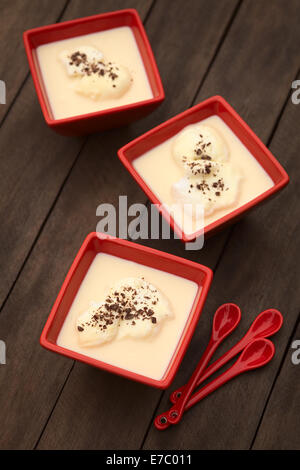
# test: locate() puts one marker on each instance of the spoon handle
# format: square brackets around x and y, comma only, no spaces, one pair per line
[176,411]
[214,367]
[178,408]
[226,319]
[229,374]
[249,336]
[250,359]
[256,354]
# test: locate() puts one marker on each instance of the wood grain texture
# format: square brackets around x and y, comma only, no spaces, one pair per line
[50,188]
[16,17]
[257,271]
[54,438]
[280,427]
[258,61]
[254,78]
[34,164]
[93,175]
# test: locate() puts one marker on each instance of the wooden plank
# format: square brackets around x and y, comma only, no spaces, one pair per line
[257,271]
[242,77]
[73,217]
[16,17]
[254,73]
[33,166]
[40,153]
[117,414]
[44,270]
[280,427]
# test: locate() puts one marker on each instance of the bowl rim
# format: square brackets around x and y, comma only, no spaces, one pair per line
[231,215]
[184,340]
[110,111]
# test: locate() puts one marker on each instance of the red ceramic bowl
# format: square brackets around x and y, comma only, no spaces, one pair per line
[108,118]
[95,243]
[212,106]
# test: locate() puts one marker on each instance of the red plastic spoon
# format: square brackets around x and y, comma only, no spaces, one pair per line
[266,324]
[256,354]
[226,318]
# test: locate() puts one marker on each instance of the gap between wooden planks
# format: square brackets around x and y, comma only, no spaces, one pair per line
[278,90]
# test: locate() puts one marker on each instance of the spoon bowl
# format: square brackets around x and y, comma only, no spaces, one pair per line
[256,354]
[225,320]
[266,324]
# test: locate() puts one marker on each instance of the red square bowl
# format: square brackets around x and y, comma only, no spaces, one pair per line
[215,105]
[108,118]
[96,243]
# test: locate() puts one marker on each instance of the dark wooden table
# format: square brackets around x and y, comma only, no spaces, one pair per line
[247,51]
